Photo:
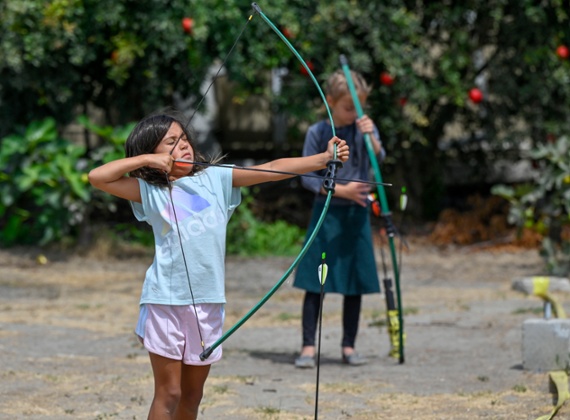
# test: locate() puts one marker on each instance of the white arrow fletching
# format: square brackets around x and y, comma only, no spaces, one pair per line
[323,271]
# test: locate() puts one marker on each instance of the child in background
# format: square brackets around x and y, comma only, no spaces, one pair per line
[188,207]
[346,233]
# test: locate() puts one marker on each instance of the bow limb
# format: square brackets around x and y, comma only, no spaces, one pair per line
[257,9]
[383,203]
[207,352]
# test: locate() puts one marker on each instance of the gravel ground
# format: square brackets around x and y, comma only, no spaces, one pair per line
[68,350]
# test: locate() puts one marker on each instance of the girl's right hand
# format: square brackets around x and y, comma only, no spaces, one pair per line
[161,161]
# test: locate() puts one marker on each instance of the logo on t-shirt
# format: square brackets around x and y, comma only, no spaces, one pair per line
[188,204]
[195,215]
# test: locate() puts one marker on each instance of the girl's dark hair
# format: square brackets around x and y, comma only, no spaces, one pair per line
[147,135]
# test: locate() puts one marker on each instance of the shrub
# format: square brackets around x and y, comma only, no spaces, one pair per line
[247,235]
[544,204]
[43,188]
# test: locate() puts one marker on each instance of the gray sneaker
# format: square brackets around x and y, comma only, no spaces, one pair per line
[354,359]
[305,362]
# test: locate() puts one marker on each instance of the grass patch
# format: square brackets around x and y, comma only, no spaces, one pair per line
[268,411]
[286,316]
[220,389]
[534,311]
[519,388]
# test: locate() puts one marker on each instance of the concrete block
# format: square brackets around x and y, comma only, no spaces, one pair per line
[555,284]
[546,344]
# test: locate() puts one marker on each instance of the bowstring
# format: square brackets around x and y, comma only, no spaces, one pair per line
[170,186]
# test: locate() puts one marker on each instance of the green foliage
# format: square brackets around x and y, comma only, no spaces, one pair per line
[112,147]
[127,58]
[43,191]
[247,235]
[45,194]
[113,138]
[544,204]
[134,233]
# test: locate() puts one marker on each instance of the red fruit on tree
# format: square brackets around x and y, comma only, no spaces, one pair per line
[188,25]
[386,79]
[304,71]
[475,95]
[403,100]
[287,33]
[562,52]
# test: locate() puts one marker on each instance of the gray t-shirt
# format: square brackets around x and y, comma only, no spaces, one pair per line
[356,167]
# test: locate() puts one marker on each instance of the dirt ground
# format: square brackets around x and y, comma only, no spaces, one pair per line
[68,351]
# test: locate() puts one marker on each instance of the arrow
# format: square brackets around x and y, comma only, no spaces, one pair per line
[183,162]
[323,270]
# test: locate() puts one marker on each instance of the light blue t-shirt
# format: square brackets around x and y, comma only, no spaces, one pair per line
[203,205]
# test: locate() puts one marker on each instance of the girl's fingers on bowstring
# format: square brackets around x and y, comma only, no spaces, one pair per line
[162,161]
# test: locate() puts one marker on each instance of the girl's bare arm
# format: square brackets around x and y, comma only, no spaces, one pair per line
[112,178]
[244,178]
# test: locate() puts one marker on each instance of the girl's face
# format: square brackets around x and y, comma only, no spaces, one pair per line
[343,109]
[183,150]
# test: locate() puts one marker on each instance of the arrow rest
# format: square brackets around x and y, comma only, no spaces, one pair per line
[332,166]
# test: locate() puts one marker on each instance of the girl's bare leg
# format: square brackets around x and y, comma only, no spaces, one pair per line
[167,390]
[178,389]
[193,380]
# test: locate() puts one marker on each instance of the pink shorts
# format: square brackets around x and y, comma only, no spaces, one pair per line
[172,331]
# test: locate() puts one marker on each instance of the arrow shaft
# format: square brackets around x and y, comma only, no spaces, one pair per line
[246,168]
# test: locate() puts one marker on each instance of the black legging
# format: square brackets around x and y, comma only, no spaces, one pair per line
[350,317]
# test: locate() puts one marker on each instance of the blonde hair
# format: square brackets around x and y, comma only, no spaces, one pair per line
[337,87]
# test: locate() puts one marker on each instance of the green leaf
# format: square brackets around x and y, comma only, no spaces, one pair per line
[41,131]
[11,146]
[503,191]
[78,186]
[11,230]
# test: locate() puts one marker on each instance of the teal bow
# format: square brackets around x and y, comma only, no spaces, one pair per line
[383,203]
[207,352]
